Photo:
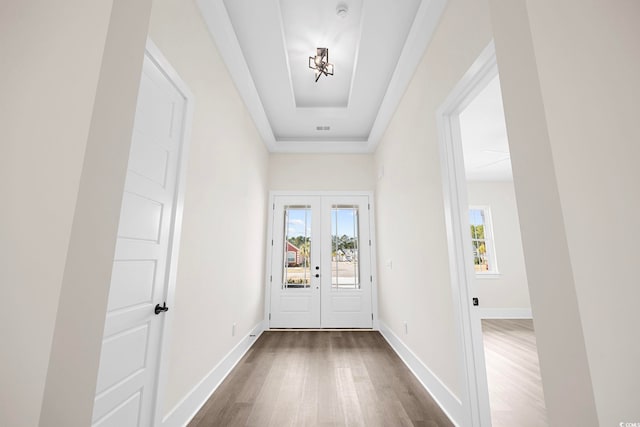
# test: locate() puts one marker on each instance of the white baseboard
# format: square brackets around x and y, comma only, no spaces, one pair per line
[189,406]
[505,313]
[448,401]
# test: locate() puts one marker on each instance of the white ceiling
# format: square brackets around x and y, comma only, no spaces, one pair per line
[374,48]
[484,137]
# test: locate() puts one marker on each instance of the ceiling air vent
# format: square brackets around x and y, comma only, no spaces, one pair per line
[323,127]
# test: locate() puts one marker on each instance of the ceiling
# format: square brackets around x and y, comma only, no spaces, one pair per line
[375,48]
[484,137]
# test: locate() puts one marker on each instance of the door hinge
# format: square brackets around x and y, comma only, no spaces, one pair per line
[371,316]
[274,206]
[369,206]
[271,278]
[369,242]
[271,242]
[269,316]
[371,279]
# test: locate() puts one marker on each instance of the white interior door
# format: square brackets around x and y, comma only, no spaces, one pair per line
[321,262]
[125,391]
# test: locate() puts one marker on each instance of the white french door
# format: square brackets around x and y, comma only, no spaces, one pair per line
[321,262]
[295,266]
[126,387]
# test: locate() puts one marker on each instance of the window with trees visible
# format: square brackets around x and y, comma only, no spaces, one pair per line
[484,256]
[296,271]
[345,247]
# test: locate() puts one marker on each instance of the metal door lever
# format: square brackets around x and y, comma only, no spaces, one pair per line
[159,309]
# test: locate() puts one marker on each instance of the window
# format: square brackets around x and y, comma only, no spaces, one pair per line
[296,271]
[484,255]
[345,247]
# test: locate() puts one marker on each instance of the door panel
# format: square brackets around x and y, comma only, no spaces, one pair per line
[321,262]
[126,384]
[131,283]
[295,289]
[346,287]
[127,413]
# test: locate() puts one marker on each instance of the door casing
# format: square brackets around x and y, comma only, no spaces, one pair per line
[474,394]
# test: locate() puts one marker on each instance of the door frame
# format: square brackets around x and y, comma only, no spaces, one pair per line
[471,363]
[156,56]
[372,234]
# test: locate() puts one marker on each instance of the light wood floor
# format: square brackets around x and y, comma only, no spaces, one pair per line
[513,374]
[320,378]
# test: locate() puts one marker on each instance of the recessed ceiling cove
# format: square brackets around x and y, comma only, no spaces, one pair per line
[309,25]
[374,46]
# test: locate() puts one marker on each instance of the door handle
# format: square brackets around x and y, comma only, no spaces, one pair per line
[159,309]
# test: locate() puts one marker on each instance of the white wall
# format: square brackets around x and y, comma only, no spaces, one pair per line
[591,103]
[569,80]
[509,289]
[409,201]
[316,172]
[221,264]
[52,56]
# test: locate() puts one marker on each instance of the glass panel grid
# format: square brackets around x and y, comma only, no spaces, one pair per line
[345,247]
[296,270]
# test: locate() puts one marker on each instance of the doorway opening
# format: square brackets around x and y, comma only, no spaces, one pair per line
[501,380]
[320,261]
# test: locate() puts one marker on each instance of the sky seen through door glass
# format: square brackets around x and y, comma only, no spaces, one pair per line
[296,223]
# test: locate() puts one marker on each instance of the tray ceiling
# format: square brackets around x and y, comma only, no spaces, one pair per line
[374,47]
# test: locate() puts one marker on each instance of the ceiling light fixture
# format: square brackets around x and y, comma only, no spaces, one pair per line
[320,63]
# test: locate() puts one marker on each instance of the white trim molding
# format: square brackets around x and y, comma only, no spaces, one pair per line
[474,393]
[444,397]
[189,406]
[505,313]
[488,276]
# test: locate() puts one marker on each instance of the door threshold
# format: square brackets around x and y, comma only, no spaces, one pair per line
[321,329]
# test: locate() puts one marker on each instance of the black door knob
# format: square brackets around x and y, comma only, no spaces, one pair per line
[159,309]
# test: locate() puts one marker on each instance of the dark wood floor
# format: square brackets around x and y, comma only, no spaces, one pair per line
[513,374]
[320,378]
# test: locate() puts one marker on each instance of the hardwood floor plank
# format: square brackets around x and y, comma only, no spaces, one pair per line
[365,390]
[320,378]
[513,373]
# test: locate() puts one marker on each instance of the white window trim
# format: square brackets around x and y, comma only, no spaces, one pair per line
[494,273]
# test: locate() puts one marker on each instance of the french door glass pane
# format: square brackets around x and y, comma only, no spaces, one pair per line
[296,271]
[345,247]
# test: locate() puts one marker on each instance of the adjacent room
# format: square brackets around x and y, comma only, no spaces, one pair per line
[500,276]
